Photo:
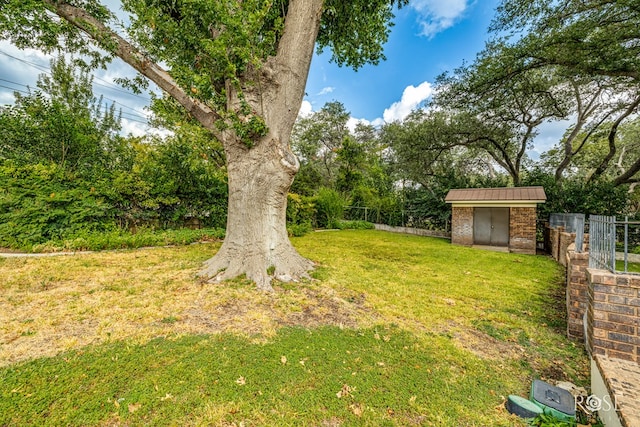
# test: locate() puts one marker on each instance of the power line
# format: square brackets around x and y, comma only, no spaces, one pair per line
[14,89]
[138,114]
[39,67]
[13,83]
[139,118]
[47,70]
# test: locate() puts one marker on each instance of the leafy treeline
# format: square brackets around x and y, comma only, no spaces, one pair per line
[573,62]
[66,173]
[358,174]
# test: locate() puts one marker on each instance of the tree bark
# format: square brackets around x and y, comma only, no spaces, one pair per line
[612,142]
[256,242]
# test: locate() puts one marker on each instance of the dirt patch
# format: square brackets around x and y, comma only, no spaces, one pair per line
[49,306]
[261,316]
[486,346]
[308,305]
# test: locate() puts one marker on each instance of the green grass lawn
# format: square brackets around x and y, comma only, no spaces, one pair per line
[395,330]
[632,267]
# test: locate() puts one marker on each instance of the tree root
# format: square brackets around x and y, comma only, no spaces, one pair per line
[285,265]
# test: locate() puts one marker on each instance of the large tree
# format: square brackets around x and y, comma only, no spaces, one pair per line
[239,68]
[585,39]
[521,105]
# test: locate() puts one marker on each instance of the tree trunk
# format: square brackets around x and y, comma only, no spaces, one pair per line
[256,242]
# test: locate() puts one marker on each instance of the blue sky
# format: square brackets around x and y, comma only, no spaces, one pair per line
[429,38]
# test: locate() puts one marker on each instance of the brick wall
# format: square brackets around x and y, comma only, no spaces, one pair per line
[462,226]
[577,291]
[613,316]
[522,230]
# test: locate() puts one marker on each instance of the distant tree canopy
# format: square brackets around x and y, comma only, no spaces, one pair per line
[61,122]
[65,170]
[233,75]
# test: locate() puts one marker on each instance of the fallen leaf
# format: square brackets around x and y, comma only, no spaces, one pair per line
[283,360]
[344,391]
[241,381]
[356,408]
[133,407]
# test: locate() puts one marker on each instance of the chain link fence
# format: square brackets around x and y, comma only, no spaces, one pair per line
[397,218]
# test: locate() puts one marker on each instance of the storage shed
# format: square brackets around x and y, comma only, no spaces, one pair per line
[503,217]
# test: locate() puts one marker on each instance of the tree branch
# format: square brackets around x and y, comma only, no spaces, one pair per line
[293,59]
[628,176]
[612,140]
[106,38]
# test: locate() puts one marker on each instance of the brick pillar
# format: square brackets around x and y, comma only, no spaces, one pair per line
[462,226]
[613,315]
[554,242]
[522,230]
[577,291]
[564,241]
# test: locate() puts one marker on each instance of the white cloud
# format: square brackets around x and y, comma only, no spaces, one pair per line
[305,109]
[412,97]
[136,128]
[353,122]
[326,90]
[6,98]
[438,15]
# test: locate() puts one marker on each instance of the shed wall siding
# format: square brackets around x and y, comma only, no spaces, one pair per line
[462,226]
[522,230]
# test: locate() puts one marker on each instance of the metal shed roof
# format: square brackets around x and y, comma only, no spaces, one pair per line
[519,194]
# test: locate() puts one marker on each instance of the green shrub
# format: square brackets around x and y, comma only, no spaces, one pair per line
[300,209]
[41,202]
[299,230]
[329,207]
[121,239]
[353,225]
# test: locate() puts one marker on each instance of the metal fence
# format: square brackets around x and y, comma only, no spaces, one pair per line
[572,223]
[412,218]
[612,243]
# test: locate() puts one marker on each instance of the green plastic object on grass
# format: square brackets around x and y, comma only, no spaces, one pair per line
[553,400]
[522,407]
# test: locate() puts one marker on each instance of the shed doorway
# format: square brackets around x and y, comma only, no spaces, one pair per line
[491,226]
